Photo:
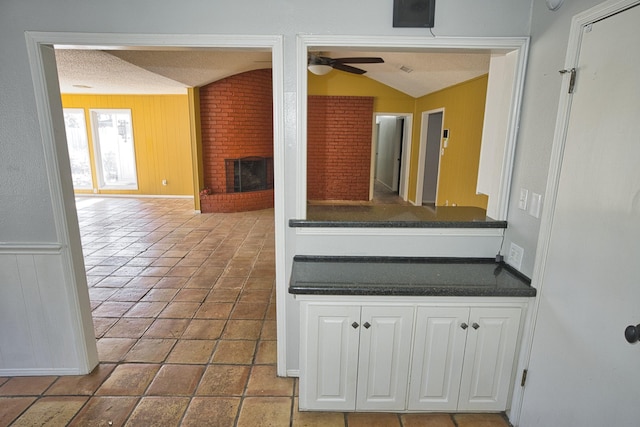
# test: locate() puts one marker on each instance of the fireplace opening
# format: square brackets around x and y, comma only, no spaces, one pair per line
[249,174]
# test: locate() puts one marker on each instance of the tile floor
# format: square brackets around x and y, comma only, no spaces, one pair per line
[184,314]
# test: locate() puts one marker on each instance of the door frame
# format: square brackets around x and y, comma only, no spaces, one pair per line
[40,49]
[422,154]
[578,23]
[403,189]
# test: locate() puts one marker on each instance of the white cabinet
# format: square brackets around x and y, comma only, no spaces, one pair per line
[354,358]
[463,358]
[407,356]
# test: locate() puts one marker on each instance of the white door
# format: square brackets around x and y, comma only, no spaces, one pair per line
[385,349]
[329,357]
[488,358]
[438,354]
[582,371]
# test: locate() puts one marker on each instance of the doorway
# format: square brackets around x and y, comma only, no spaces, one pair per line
[429,157]
[389,161]
[43,66]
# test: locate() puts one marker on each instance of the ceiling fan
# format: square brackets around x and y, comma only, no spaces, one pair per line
[321,65]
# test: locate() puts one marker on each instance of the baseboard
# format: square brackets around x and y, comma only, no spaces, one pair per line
[293,373]
[40,372]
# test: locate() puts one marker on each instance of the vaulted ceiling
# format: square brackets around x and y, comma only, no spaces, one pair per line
[139,71]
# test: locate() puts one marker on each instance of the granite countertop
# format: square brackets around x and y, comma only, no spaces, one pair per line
[395,276]
[395,216]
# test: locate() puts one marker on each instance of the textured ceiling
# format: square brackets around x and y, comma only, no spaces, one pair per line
[173,71]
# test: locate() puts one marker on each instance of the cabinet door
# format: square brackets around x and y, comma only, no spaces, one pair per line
[329,357]
[489,357]
[385,348]
[438,354]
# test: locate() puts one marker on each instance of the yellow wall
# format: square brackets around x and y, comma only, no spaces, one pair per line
[463,115]
[162,138]
[386,99]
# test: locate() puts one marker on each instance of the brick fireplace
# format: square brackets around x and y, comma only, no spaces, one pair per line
[237,142]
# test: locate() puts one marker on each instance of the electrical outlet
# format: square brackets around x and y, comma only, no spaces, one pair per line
[515,256]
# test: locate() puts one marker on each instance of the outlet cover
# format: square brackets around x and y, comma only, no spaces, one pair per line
[515,256]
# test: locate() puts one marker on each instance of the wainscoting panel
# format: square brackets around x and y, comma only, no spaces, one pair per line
[39,313]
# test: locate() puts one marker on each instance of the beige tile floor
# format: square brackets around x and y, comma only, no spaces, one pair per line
[184,315]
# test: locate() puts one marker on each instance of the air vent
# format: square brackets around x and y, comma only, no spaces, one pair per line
[406,69]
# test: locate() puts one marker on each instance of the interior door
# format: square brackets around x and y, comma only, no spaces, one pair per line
[582,371]
[432,158]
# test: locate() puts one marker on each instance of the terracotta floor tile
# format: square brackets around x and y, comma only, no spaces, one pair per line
[192,351]
[316,419]
[11,407]
[242,329]
[129,328]
[368,419]
[249,311]
[256,295]
[211,412]
[427,420]
[204,329]
[214,310]
[266,353]
[150,350]
[81,384]
[112,309]
[200,282]
[158,411]
[230,283]
[142,282]
[223,295]
[182,271]
[191,295]
[223,380]
[100,411]
[51,411]
[101,294]
[480,420]
[265,411]
[180,310]
[236,352]
[129,379]
[26,386]
[114,349]
[269,330]
[176,380]
[167,328]
[263,381]
[171,283]
[166,260]
[102,325]
[146,309]
[160,294]
[128,294]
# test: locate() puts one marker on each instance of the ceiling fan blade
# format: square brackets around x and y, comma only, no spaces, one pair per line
[360,60]
[348,68]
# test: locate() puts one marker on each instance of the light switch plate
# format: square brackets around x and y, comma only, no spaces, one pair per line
[524,197]
[535,208]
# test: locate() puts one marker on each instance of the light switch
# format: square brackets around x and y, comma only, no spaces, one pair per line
[524,197]
[535,208]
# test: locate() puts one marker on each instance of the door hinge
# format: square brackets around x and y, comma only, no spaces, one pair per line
[524,378]
[572,80]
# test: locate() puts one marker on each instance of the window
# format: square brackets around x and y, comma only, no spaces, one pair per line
[114,149]
[78,145]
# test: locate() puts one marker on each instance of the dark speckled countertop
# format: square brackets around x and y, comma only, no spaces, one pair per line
[395,276]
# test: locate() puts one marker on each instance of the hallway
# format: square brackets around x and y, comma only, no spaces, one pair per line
[184,314]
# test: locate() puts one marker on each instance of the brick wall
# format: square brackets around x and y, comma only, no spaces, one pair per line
[339,147]
[237,121]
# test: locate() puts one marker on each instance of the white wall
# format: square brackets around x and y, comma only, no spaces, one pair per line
[549,38]
[28,210]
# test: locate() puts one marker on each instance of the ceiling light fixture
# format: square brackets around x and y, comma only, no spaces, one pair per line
[319,69]
[82,86]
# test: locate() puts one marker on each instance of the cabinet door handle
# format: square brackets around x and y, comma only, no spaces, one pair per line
[475,325]
[367,325]
[464,325]
[355,325]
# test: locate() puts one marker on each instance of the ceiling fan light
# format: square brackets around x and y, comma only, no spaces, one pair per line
[319,69]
